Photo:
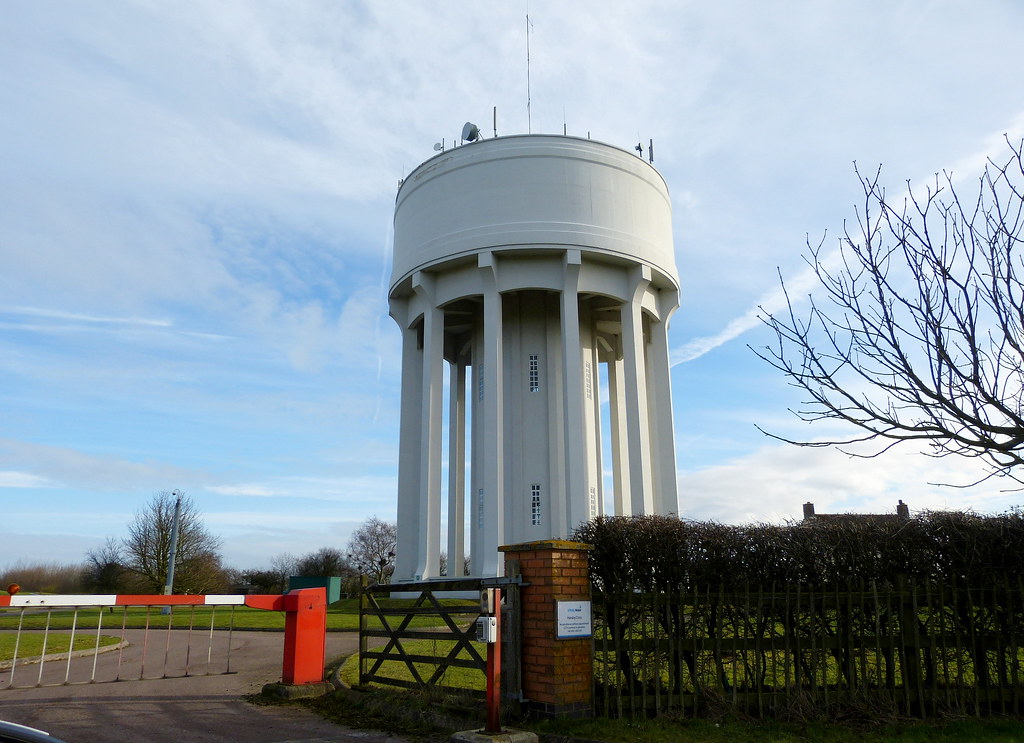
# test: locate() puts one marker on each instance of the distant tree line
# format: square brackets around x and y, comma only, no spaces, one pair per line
[138,563]
[370,551]
[659,553]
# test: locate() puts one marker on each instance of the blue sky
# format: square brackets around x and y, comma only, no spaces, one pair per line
[195,207]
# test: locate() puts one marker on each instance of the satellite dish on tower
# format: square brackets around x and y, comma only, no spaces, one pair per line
[470,132]
[438,147]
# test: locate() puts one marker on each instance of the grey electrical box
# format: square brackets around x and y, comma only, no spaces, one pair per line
[487,629]
[487,601]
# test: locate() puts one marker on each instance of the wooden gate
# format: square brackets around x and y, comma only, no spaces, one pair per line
[429,637]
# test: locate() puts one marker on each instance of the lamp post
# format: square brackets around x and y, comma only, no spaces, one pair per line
[168,588]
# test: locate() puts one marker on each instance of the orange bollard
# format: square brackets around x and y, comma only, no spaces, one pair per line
[305,636]
[305,632]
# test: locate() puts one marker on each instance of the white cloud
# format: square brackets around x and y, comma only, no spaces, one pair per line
[805,281]
[13,479]
[88,319]
[68,467]
[253,489]
[772,482]
[365,490]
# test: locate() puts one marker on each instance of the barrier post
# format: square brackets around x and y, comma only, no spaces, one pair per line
[305,633]
[305,636]
[494,667]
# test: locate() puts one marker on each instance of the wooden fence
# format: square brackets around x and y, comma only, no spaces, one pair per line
[915,649]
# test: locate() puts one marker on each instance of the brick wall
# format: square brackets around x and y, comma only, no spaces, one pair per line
[557,674]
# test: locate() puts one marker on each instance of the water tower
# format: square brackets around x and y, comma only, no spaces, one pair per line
[532,275]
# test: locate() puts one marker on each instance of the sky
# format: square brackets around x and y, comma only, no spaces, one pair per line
[195,224]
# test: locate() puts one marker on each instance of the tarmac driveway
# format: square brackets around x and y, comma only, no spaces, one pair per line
[175,710]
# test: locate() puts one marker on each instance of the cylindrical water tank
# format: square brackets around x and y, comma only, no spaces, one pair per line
[533,192]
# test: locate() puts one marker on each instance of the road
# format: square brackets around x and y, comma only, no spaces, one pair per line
[207,709]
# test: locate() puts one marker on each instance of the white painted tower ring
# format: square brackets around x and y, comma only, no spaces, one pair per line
[533,192]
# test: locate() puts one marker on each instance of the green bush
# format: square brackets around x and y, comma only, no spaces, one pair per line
[659,553]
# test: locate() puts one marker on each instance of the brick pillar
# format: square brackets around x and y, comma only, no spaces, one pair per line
[557,674]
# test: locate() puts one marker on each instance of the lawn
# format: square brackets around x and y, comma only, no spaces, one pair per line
[341,616]
[669,730]
[31,644]
[455,677]
[410,713]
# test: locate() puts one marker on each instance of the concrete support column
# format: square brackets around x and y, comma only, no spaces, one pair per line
[557,674]
[573,422]
[595,466]
[456,467]
[617,423]
[432,381]
[409,448]
[666,495]
[492,455]
[641,485]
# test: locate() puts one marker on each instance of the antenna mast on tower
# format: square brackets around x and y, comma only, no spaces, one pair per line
[529,120]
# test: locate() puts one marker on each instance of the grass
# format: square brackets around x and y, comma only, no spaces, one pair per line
[31,644]
[667,729]
[429,716]
[419,707]
[341,616]
[455,677]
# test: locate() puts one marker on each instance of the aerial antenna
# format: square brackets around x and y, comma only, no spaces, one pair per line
[439,146]
[470,132]
[495,122]
[529,120]
[650,151]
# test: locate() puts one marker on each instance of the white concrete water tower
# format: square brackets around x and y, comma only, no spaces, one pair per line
[530,273]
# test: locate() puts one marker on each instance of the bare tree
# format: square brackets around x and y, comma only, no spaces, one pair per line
[283,566]
[44,577]
[444,563]
[917,333]
[371,550]
[326,561]
[147,548]
[104,570]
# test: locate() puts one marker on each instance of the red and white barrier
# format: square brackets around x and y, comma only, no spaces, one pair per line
[305,632]
[88,599]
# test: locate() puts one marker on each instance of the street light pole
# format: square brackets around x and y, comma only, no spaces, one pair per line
[174,544]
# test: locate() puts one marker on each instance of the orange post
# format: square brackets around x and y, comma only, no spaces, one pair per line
[494,673]
[305,632]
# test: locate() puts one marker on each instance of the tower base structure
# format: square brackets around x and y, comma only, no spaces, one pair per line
[533,276]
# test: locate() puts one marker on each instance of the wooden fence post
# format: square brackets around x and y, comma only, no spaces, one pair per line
[910,645]
[511,637]
[364,644]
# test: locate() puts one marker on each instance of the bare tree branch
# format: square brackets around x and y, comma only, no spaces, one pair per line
[917,333]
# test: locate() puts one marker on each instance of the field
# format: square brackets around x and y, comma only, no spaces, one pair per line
[341,616]
[31,644]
